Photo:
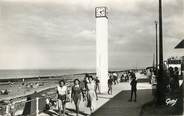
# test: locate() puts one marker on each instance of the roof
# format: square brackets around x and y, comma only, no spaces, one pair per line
[180,45]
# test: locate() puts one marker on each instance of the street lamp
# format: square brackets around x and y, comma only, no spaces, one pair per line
[160,40]
[160,83]
[156,23]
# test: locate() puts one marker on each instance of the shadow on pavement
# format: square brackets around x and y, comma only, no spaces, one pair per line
[74,111]
[151,109]
[119,105]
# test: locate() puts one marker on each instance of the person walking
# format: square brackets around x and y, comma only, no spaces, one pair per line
[133,88]
[84,87]
[91,95]
[110,82]
[62,94]
[176,77]
[171,77]
[122,78]
[76,95]
[174,81]
[97,87]
[115,78]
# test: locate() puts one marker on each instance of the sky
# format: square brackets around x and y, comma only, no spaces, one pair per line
[60,34]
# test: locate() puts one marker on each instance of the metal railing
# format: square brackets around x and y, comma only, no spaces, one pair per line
[32,105]
[25,107]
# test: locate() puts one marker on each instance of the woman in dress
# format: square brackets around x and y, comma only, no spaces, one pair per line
[91,95]
[76,95]
[62,94]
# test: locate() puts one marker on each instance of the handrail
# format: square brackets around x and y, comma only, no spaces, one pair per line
[17,108]
[37,105]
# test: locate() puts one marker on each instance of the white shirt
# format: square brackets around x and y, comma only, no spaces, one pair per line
[62,90]
[91,86]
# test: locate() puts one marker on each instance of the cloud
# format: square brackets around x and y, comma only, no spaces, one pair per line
[61,33]
[86,34]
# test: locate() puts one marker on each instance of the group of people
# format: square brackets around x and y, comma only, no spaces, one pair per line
[173,85]
[86,90]
[125,76]
[114,79]
[171,81]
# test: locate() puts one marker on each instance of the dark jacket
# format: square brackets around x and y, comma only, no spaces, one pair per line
[133,84]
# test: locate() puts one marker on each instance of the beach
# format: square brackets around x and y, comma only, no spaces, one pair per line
[19,88]
[103,98]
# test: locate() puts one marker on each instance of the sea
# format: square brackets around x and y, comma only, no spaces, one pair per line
[29,73]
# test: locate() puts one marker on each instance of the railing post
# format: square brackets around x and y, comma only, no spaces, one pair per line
[37,106]
[7,109]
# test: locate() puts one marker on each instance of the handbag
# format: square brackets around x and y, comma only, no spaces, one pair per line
[68,98]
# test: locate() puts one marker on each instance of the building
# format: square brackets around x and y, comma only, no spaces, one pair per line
[180,45]
[180,48]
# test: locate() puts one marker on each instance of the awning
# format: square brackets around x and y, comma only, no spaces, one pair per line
[180,45]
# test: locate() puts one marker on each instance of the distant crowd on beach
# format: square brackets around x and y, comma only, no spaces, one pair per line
[86,90]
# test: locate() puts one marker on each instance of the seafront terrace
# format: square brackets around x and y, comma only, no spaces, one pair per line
[107,105]
[121,88]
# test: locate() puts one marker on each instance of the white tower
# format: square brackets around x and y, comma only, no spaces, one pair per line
[102,47]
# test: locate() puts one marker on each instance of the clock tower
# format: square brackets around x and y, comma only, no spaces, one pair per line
[102,47]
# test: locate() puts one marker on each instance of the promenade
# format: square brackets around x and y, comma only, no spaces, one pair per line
[116,104]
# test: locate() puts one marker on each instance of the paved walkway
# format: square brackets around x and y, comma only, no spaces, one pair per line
[119,105]
[116,104]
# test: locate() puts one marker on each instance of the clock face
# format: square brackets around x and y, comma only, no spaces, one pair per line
[100,12]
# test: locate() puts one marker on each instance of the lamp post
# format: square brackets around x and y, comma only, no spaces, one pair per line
[156,23]
[160,84]
[153,61]
[160,40]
